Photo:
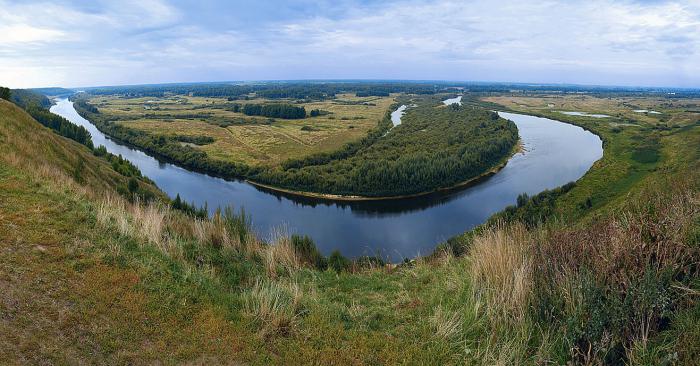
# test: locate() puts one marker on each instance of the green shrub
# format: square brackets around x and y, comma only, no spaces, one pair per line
[306,250]
[338,262]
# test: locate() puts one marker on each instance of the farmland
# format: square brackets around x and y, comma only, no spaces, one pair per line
[250,140]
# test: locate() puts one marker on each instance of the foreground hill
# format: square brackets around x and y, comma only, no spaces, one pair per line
[90,276]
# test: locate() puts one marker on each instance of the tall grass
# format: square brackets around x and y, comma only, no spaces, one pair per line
[606,289]
[275,305]
[502,270]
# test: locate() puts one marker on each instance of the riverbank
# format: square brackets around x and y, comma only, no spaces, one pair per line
[517,148]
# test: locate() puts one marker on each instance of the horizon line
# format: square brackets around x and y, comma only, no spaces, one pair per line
[443,81]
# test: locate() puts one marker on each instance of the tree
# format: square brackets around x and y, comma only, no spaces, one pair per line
[133,185]
[5,93]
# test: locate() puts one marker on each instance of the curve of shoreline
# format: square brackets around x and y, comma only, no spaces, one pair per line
[518,147]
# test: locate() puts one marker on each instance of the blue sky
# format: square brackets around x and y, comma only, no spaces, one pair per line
[86,43]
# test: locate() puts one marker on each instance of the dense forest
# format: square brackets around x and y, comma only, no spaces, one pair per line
[434,147]
[272,90]
[286,111]
[25,98]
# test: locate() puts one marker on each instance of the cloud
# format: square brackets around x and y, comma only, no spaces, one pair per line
[23,33]
[139,41]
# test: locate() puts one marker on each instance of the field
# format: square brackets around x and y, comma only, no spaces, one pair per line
[251,140]
[623,110]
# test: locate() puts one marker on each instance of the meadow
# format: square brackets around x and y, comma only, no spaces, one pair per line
[250,140]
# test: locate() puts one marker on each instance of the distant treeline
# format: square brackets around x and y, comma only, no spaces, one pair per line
[52,91]
[25,98]
[329,89]
[299,91]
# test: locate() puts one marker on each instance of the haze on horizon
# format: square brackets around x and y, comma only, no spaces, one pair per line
[603,42]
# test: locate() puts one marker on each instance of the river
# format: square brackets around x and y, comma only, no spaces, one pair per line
[555,153]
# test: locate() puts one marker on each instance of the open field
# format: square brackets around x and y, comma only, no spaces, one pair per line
[252,140]
[628,110]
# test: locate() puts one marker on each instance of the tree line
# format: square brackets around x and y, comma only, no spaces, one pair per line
[285,111]
[272,90]
[37,106]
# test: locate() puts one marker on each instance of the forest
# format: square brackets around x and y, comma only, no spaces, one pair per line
[286,111]
[301,90]
[434,147]
[272,90]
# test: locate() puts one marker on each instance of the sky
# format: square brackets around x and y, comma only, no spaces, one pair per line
[602,42]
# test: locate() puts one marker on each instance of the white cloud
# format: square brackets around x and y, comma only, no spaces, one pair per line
[23,33]
[599,41]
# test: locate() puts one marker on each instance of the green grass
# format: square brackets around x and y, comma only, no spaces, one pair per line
[631,154]
[87,277]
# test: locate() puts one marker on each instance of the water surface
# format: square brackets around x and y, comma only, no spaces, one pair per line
[584,114]
[555,153]
[455,100]
[397,114]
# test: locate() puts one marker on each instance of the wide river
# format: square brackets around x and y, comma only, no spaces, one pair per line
[555,154]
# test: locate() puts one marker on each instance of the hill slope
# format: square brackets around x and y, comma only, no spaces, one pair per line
[88,277]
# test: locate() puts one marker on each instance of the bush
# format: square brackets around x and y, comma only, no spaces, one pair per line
[306,250]
[338,262]
[5,93]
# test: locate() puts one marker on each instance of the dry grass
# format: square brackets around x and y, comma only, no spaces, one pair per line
[580,281]
[501,271]
[276,305]
[447,324]
[280,257]
[253,144]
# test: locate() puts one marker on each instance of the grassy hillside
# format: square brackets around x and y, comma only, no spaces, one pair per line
[89,277]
